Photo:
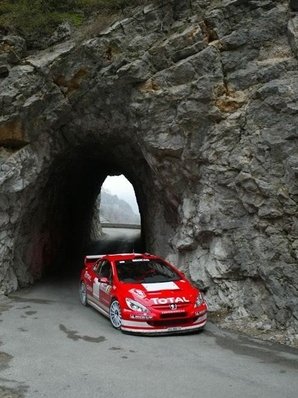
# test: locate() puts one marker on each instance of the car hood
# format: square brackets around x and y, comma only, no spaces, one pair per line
[180,291]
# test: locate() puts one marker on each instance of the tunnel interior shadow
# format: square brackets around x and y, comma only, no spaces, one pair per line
[57,225]
[68,215]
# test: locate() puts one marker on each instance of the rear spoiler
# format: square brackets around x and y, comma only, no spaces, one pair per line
[92,258]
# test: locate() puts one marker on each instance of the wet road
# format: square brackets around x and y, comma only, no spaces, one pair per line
[51,346]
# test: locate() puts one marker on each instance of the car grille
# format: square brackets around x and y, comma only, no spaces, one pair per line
[166,312]
[165,307]
[172,322]
[176,314]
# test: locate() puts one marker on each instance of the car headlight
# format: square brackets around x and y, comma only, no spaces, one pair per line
[135,306]
[200,300]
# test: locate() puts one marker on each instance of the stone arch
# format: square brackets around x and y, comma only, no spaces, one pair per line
[54,228]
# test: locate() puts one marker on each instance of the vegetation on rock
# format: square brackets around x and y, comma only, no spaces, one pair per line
[38,18]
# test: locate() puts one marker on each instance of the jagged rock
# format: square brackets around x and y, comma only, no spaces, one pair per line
[63,32]
[294,5]
[4,71]
[12,49]
[197,106]
[293,34]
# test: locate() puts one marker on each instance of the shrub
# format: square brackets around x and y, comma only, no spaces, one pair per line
[37,18]
[29,17]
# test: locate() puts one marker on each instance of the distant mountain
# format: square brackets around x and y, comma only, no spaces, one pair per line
[115,210]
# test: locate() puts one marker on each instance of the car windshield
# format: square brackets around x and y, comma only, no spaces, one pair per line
[145,271]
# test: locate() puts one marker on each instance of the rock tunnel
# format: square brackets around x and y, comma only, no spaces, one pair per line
[59,227]
[188,100]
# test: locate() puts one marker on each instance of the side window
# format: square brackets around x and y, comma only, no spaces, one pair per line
[105,270]
[97,266]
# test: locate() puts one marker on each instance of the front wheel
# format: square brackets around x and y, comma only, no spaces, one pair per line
[115,314]
[83,293]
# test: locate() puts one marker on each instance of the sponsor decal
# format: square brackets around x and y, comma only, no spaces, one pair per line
[87,276]
[105,288]
[100,287]
[108,289]
[155,287]
[175,329]
[170,300]
[96,285]
[135,316]
[137,260]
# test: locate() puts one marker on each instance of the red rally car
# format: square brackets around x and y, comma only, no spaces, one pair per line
[142,293]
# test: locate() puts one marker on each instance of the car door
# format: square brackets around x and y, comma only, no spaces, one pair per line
[90,275]
[102,284]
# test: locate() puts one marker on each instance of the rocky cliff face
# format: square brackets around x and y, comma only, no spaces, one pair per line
[196,103]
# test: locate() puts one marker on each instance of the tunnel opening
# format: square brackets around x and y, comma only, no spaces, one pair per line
[73,226]
[116,224]
[117,202]
[59,223]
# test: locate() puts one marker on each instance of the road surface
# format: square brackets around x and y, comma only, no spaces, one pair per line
[51,346]
[117,240]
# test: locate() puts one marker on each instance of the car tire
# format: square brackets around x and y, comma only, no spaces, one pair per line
[115,314]
[83,294]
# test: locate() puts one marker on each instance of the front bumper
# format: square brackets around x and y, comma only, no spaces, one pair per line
[154,328]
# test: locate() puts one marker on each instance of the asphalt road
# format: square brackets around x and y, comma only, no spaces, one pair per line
[51,346]
[117,240]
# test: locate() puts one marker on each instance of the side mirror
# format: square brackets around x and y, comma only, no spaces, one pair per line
[104,280]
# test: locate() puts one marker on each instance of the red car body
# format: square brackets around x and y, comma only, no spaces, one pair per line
[142,293]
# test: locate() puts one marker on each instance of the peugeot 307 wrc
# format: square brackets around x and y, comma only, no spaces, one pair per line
[142,293]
